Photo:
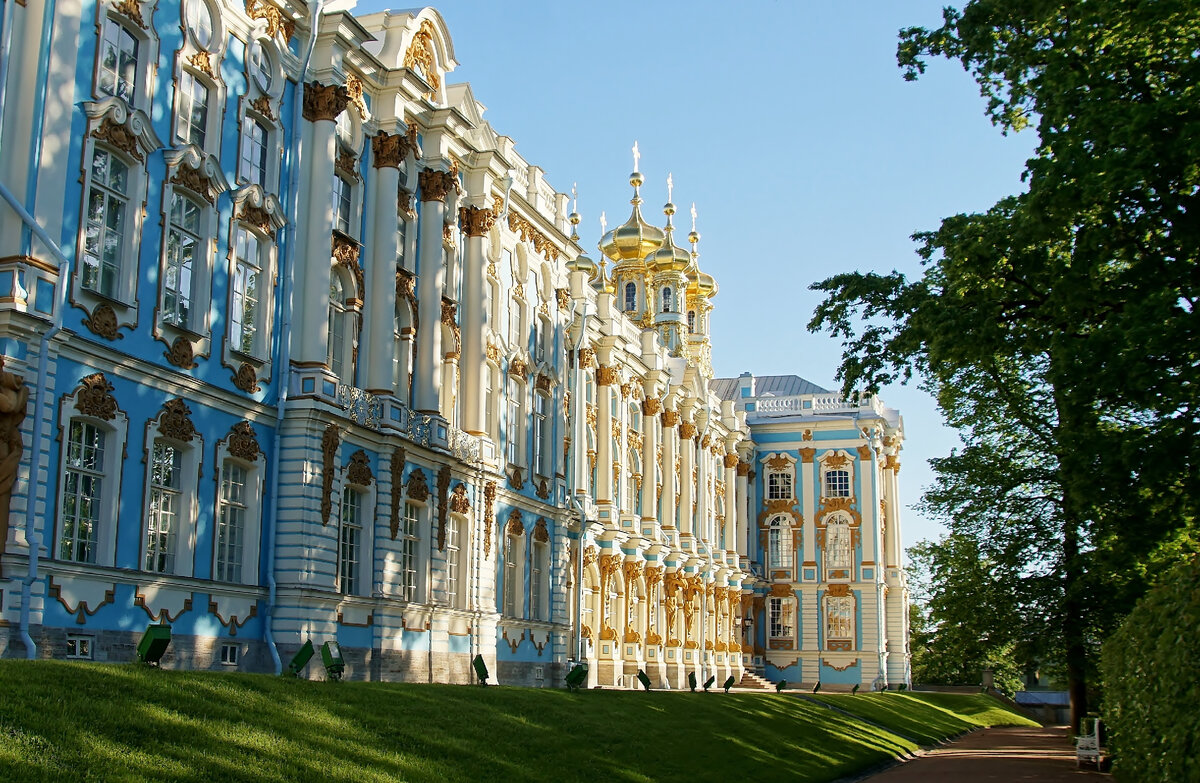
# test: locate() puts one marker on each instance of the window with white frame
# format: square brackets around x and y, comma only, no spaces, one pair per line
[780,623]
[105,234]
[839,617]
[540,333]
[232,513]
[539,580]
[491,402]
[261,65]
[779,485]
[184,248]
[779,542]
[839,548]
[83,499]
[402,350]
[164,513]
[119,68]
[343,195]
[837,483]
[252,162]
[350,542]
[338,350]
[401,232]
[198,18]
[515,425]
[79,647]
[409,536]
[453,561]
[667,299]
[515,317]
[191,118]
[541,431]
[630,297]
[512,575]
[246,292]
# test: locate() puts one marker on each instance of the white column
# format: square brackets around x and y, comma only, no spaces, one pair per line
[476,223]
[379,334]
[650,458]
[605,379]
[809,505]
[670,422]
[869,507]
[687,488]
[731,505]
[322,105]
[744,543]
[431,278]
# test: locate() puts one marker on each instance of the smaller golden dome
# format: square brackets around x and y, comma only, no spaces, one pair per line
[635,238]
[706,286]
[670,257]
[584,264]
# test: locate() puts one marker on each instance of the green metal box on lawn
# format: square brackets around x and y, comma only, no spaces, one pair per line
[154,643]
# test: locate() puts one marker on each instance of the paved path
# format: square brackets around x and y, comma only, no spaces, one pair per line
[1029,755]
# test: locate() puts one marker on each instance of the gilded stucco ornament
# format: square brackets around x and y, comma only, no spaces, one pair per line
[515,526]
[358,471]
[242,442]
[388,149]
[421,55]
[245,378]
[543,489]
[95,398]
[541,532]
[443,498]
[181,354]
[175,421]
[489,514]
[606,376]
[345,253]
[131,10]
[276,22]
[459,502]
[435,184]
[354,89]
[417,487]
[202,62]
[324,102]
[476,221]
[103,322]
[262,105]
[330,440]
[396,471]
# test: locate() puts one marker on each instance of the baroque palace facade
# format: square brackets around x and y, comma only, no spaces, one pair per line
[297,347]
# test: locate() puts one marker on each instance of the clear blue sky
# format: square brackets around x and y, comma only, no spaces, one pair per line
[790,126]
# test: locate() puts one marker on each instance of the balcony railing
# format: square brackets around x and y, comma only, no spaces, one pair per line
[816,405]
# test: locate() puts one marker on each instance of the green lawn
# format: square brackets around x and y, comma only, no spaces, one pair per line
[74,721]
[926,717]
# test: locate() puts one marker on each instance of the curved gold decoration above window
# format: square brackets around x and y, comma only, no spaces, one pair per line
[421,55]
[242,442]
[276,22]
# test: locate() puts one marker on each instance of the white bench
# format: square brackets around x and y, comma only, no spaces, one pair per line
[1087,746]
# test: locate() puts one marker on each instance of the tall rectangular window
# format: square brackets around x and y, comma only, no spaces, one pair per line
[452,562]
[537,580]
[83,485]
[780,617]
[244,309]
[540,449]
[183,245]
[351,542]
[408,551]
[839,617]
[191,124]
[118,62]
[510,578]
[252,166]
[341,204]
[515,423]
[231,522]
[166,498]
[104,237]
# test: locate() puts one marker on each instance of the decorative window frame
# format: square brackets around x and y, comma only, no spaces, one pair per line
[831,570]
[198,177]
[422,567]
[355,474]
[836,460]
[261,216]
[462,524]
[348,152]
[516,389]
[785,599]
[541,605]
[512,565]
[782,523]
[203,65]
[92,402]
[842,595]
[127,134]
[263,106]
[173,427]
[778,464]
[241,446]
[138,22]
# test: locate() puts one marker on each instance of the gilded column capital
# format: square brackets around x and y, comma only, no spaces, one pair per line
[670,418]
[324,101]
[687,430]
[476,221]
[743,468]
[606,376]
[435,184]
[651,406]
[389,149]
[731,461]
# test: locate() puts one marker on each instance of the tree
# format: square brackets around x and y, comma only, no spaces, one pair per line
[1060,325]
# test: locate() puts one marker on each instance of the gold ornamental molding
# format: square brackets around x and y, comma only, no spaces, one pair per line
[489,514]
[276,22]
[443,507]
[835,461]
[475,221]
[731,461]
[388,149]
[670,418]
[541,243]
[175,421]
[397,476]
[807,455]
[417,487]
[435,184]
[242,443]
[95,398]
[330,440]
[459,502]
[358,470]
[606,376]
[421,56]
[324,101]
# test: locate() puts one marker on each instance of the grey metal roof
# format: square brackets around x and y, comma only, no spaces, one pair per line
[767,386]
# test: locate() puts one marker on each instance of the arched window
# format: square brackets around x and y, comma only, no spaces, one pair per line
[515,425]
[339,317]
[84,491]
[691,321]
[666,299]
[630,297]
[541,435]
[779,542]
[164,511]
[402,349]
[539,576]
[246,292]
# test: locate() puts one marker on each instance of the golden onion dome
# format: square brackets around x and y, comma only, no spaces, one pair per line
[669,257]
[635,238]
[706,286]
[584,264]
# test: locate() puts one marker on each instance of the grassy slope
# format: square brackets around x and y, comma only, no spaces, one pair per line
[110,722]
[927,717]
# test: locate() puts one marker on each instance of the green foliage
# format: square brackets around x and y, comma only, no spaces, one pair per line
[1058,329]
[108,722]
[1150,678]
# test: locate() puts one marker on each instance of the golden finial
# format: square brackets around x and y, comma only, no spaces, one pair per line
[694,237]
[574,216]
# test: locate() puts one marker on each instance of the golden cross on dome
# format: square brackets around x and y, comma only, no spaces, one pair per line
[603,223]
[693,216]
[670,186]
[637,156]
[574,197]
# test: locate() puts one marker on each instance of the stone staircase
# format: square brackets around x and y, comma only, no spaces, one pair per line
[752,682]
